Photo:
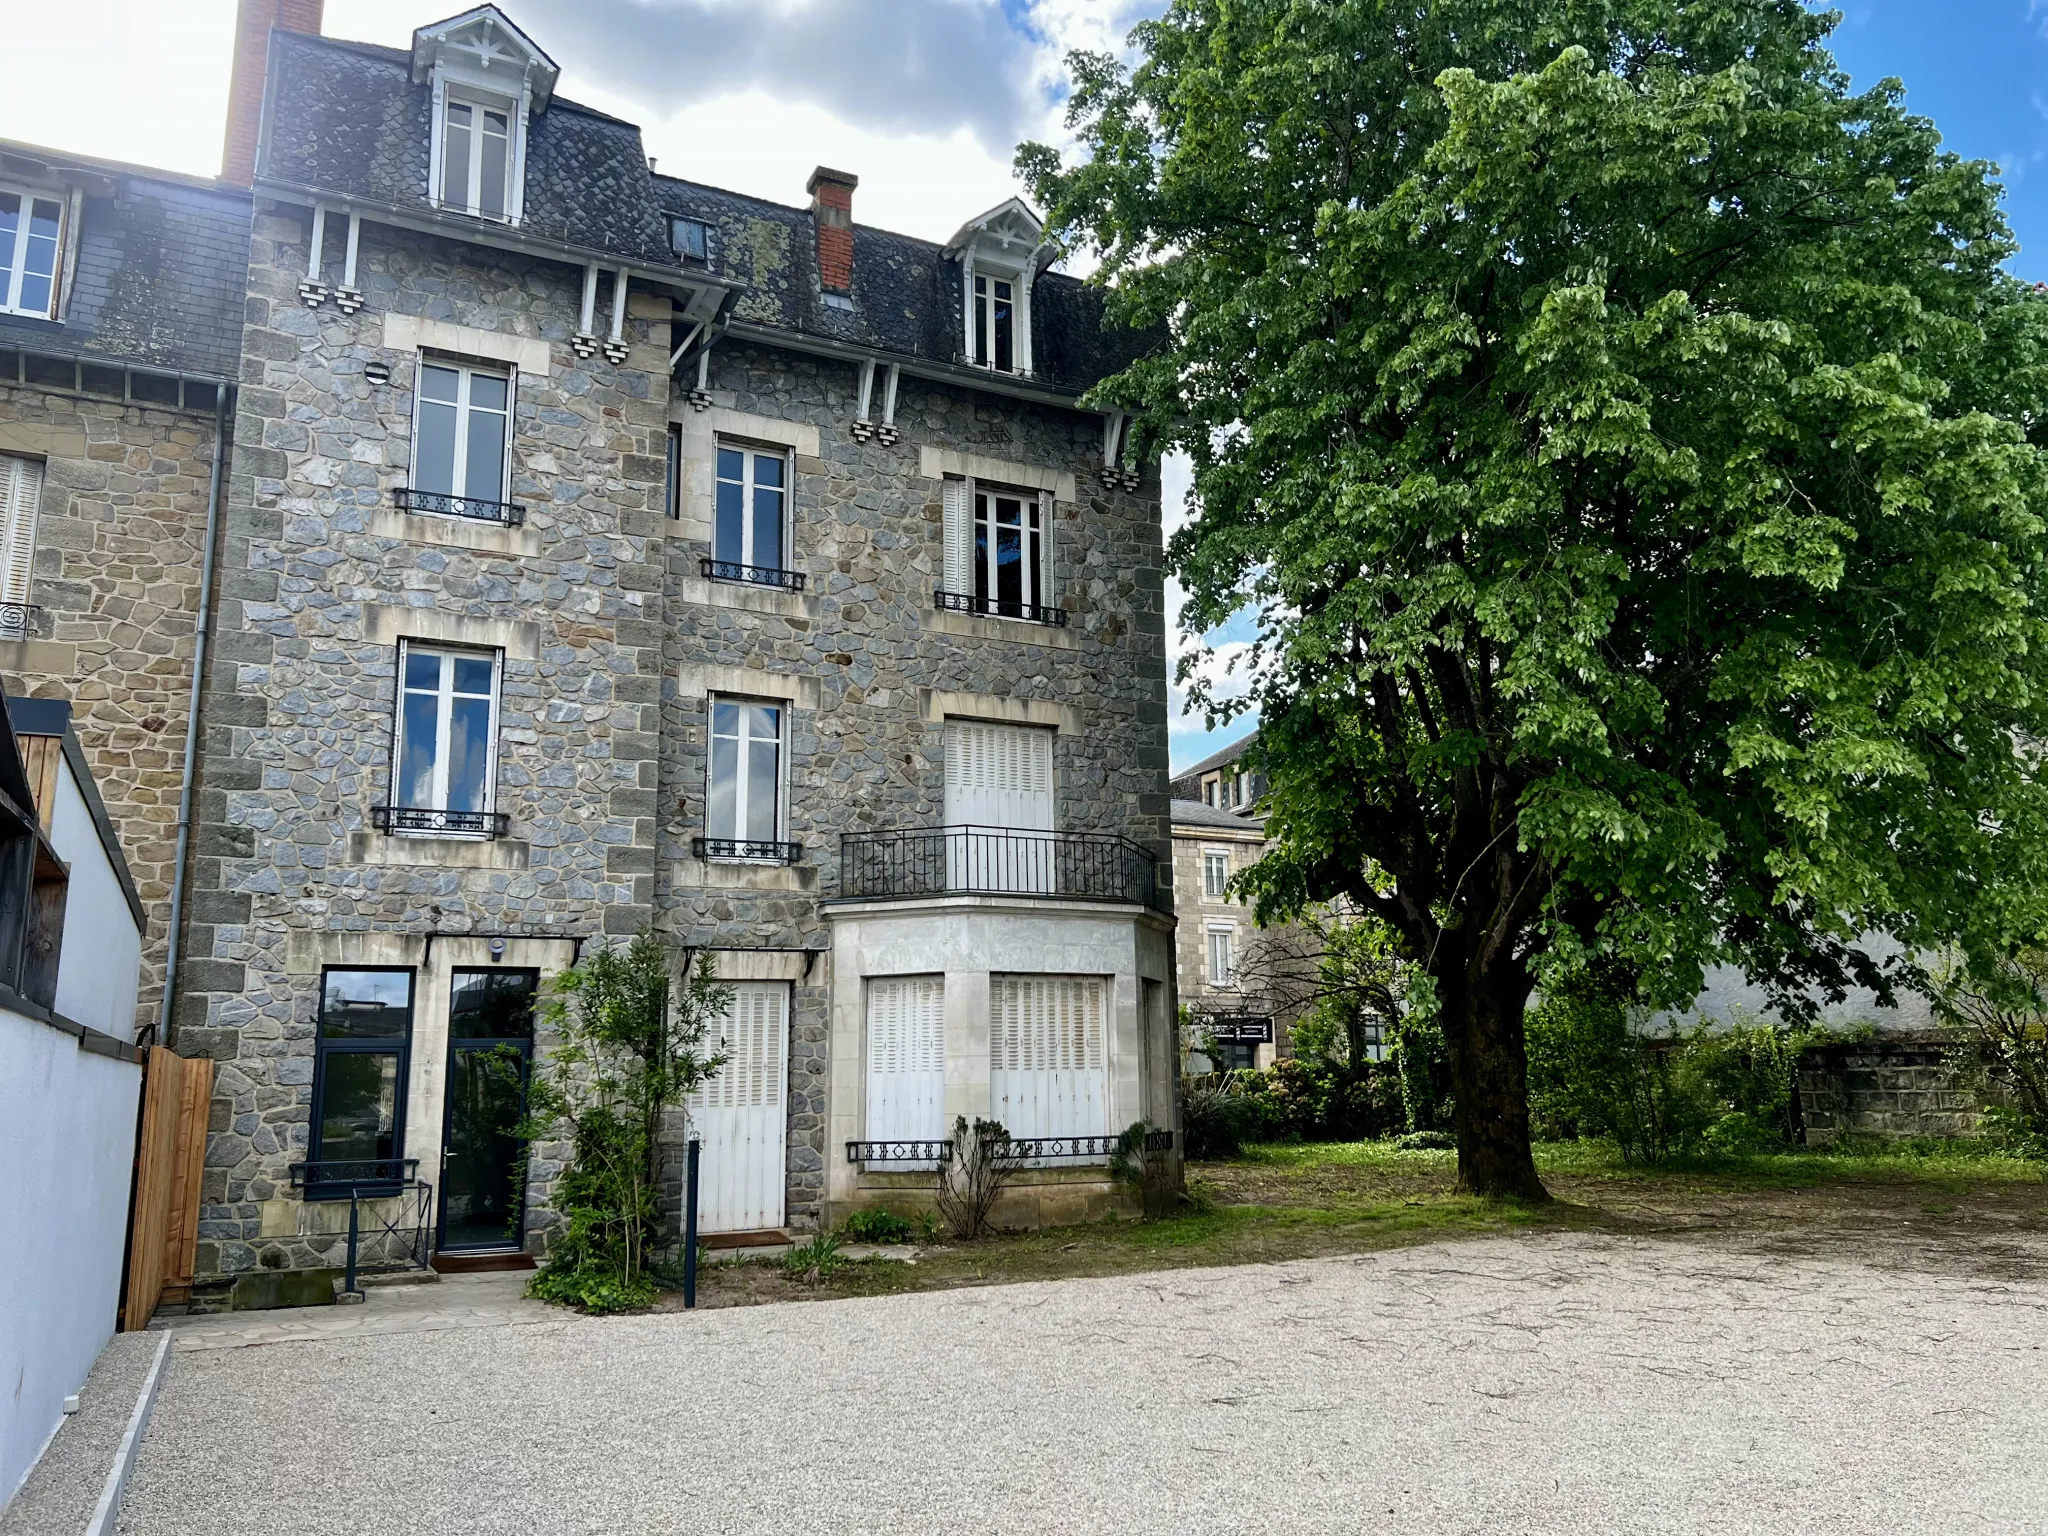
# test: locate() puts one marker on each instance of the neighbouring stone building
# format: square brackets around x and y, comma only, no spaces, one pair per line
[1227,1024]
[120,329]
[600,551]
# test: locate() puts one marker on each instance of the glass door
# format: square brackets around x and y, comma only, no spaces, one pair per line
[483,1162]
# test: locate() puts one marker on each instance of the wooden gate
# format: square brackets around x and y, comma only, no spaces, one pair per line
[170,1160]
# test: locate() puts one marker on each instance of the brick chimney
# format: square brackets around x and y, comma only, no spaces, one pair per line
[832,211]
[253,22]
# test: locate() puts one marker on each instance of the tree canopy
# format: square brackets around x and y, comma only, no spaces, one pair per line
[1630,444]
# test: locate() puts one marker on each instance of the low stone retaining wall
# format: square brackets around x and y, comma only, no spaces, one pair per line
[1900,1087]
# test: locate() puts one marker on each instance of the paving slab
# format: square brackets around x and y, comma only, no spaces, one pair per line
[1564,1383]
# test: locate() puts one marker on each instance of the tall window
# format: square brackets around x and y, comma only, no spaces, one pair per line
[1220,972]
[753,494]
[359,1070]
[464,424]
[1009,553]
[745,792]
[672,493]
[476,158]
[447,725]
[995,308]
[31,227]
[1215,872]
[21,492]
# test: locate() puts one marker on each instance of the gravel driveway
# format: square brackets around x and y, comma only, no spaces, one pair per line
[1564,1383]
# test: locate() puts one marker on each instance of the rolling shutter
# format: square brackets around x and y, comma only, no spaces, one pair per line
[906,1088]
[958,506]
[21,492]
[1047,1071]
[739,1113]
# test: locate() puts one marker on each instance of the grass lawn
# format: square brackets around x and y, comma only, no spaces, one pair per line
[1951,1203]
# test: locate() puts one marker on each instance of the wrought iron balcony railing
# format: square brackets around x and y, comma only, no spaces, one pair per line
[756,575]
[940,861]
[967,602]
[899,1151]
[475,508]
[18,620]
[751,851]
[1020,1149]
[413,818]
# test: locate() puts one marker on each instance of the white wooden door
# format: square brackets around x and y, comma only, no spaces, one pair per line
[906,1088]
[999,782]
[1048,1073]
[739,1114]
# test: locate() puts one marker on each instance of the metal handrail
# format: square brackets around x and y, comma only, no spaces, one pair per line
[937,861]
[415,818]
[755,575]
[996,608]
[475,508]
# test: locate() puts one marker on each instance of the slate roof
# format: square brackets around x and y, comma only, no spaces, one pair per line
[162,267]
[1186,813]
[907,293]
[347,118]
[1229,754]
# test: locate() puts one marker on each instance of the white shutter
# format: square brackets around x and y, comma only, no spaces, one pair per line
[1047,1072]
[906,1088]
[998,776]
[958,506]
[739,1113]
[21,492]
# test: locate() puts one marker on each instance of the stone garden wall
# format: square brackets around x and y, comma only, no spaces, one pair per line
[1883,1087]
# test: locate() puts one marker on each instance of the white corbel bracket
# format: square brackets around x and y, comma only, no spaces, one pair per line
[584,342]
[348,298]
[615,349]
[1116,428]
[884,431]
[700,397]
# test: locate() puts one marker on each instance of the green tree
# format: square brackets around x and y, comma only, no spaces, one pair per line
[1627,442]
[628,1046]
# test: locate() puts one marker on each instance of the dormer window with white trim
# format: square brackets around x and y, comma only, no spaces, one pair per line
[488,79]
[31,242]
[1000,255]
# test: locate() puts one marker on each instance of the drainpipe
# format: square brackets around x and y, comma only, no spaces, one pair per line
[220,417]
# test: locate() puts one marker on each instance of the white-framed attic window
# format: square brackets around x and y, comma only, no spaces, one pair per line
[31,250]
[1000,255]
[487,79]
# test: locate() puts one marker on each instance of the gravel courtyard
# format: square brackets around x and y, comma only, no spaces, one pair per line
[1568,1383]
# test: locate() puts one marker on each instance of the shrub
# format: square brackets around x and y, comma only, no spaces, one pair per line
[973,1179]
[1427,1141]
[1217,1118]
[2000,1026]
[879,1227]
[819,1259]
[1311,1100]
[1591,1075]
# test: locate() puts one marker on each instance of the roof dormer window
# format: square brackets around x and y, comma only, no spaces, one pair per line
[488,79]
[1000,255]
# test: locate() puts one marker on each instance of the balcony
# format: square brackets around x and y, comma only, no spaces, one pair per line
[995,608]
[506,514]
[1001,861]
[421,821]
[753,575]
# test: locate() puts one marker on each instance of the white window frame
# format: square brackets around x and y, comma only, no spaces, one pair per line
[451,84]
[467,371]
[1020,279]
[17,260]
[445,705]
[1034,504]
[742,778]
[749,451]
[1213,890]
[21,495]
[1227,932]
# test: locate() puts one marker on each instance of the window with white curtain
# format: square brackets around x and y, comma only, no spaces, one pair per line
[461,431]
[744,798]
[21,494]
[476,156]
[1215,872]
[447,730]
[1222,971]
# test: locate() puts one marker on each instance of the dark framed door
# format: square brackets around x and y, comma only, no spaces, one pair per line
[490,1058]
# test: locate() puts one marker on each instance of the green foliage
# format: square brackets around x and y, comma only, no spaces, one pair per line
[816,1261]
[1423,1062]
[1149,1170]
[1427,1141]
[1999,1018]
[1218,1115]
[879,1227]
[626,1048]
[1310,1100]
[974,1177]
[1629,446]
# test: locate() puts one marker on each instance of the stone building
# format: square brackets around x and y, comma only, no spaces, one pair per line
[1221,780]
[605,552]
[1227,1024]
[120,329]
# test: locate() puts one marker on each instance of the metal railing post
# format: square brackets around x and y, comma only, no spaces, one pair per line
[690,1226]
[348,1283]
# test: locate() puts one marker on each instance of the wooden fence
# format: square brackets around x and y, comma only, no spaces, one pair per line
[170,1160]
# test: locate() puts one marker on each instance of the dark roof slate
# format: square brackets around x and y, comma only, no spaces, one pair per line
[1194,813]
[1229,754]
[348,118]
[161,273]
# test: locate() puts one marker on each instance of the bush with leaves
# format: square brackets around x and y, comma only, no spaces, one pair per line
[975,1176]
[627,1047]
[1592,1076]
[1999,1021]
[1310,1100]
[879,1227]
[1219,1113]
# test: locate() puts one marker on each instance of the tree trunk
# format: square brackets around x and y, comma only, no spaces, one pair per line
[1483,1028]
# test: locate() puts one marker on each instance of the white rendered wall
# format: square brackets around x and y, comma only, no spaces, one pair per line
[99,969]
[67,1141]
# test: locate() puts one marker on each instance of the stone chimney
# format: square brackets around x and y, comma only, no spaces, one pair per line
[253,22]
[832,212]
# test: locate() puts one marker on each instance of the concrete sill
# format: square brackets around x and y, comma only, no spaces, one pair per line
[381,850]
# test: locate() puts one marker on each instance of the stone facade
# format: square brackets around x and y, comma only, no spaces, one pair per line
[1883,1087]
[116,577]
[1197,832]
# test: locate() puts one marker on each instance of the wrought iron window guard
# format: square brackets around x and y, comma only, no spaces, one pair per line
[475,508]
[408,1213]
[940,861]
[18,620]
[412,818]
[899,1151]
[745,849]
[754,575]
[995,608]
